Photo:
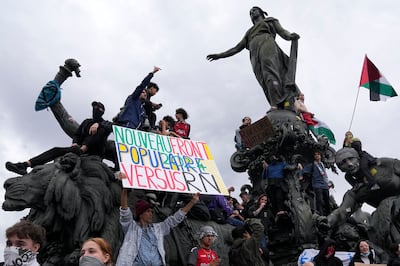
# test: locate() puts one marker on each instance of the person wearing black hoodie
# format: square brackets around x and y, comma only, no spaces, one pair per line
[326,255]
[90,138]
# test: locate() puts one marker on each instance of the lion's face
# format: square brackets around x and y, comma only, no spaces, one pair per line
[28,191]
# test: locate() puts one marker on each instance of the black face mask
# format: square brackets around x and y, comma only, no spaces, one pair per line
[97,113]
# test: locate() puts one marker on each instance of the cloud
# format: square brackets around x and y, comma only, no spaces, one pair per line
[118,43]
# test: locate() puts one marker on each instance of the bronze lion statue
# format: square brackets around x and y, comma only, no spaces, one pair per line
[74,198]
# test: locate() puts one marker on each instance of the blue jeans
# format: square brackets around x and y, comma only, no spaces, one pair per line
[234,222]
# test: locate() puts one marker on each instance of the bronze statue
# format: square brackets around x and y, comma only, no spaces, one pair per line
[73,199]
[270,64]
[386,173]
[78,197]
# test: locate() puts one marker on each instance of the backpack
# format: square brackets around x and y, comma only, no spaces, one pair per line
[48,96]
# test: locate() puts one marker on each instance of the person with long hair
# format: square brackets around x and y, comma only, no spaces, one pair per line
[363,253]
[96,251]
[262,211]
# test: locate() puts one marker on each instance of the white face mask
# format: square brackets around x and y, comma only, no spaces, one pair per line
[18,256]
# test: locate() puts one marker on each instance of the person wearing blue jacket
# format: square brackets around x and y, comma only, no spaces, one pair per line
[274,175]
[319,181]
[133,114]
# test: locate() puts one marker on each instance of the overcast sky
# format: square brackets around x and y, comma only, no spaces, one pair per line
[119,42]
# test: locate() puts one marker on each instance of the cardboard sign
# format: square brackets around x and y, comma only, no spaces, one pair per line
[256,133]
[156,162]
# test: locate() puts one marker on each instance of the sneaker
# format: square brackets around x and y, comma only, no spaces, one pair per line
[375,187]
[18,168]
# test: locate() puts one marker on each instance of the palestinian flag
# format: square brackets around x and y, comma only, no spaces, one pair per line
[318,128]
[372,79]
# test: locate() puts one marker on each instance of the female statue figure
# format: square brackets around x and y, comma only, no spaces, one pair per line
[269,62]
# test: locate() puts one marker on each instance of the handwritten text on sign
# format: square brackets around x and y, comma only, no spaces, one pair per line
[157,162]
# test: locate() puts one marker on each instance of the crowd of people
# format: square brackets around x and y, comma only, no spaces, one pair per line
[253,218]
[143,242]
[138,113]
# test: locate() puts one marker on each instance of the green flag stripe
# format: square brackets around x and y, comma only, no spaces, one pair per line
[380,88]
[319,131]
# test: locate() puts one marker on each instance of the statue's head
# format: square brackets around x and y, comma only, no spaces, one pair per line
[28,191]
[256,12]
[348,160]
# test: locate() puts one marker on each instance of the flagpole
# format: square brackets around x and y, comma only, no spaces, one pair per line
[354,110]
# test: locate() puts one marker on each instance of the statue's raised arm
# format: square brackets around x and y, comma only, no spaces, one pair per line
[270,64]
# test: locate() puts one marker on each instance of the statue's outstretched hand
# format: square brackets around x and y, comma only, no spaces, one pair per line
[294,36]
[212,57]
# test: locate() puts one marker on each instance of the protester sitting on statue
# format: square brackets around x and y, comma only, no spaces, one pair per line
[133,114]
[247,202]
[96,251]
[143,241]
[273,176]
[239,144]
[364,175]
[90,138]
[318,128]
[348,139]
[299,105]
[181,129]
[332,201]
[326,255]
[165,125]
[363,254]
[262,210]
[203,255]
[150,107]
[246,247]
[221,212]
[24,239]
[319,180]
[269,62]
[235,207]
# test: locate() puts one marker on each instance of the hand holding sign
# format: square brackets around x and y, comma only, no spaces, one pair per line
[157,162]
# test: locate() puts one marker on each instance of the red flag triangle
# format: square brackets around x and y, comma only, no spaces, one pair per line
[369,72]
